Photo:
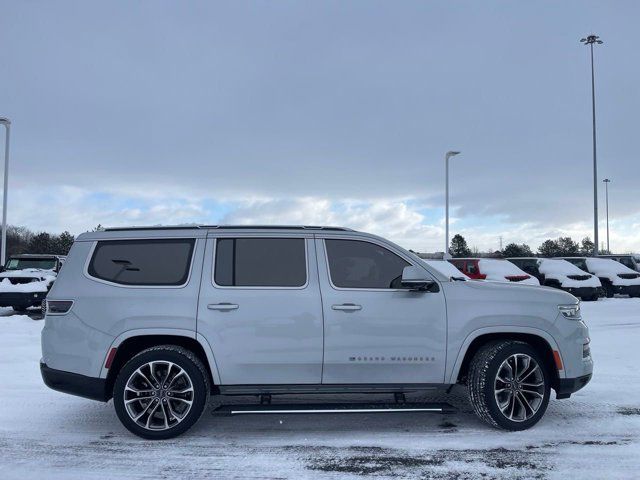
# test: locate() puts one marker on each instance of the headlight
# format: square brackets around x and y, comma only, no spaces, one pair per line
[571,312]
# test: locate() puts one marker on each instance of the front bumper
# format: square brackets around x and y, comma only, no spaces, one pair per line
[75,384]
[567,386]
[21,299]
[631,290]
[584,292]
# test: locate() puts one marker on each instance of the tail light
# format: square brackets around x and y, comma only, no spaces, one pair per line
[58,307]
[481,276]
[517,278]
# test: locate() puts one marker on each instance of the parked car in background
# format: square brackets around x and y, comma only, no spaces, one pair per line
[561,274]
[493,269]
[447,269]
[614,276]
[632,261]
[26,279]
[296,310]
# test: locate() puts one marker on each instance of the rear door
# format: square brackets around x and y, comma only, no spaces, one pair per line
[375,331]
[260,308]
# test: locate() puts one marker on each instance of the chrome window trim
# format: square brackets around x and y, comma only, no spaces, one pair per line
[231,287]
[86,273]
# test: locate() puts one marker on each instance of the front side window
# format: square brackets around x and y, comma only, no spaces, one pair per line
[358,264]
[162,262]
[260,262]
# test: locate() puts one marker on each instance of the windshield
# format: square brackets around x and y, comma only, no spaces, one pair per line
[22,263]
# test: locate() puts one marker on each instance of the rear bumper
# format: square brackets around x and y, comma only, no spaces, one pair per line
[74,384]
[21,299]
[567,386]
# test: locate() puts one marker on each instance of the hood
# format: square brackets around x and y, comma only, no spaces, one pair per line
[515,290]
[29,273]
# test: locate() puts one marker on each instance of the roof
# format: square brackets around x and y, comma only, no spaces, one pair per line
[229,227]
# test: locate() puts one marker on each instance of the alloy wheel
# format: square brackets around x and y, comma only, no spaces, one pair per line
[519,387]
[158,395]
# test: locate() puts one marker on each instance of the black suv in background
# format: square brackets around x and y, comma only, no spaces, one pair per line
[631,261]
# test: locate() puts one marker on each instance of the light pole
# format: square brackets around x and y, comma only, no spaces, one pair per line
[606,189]
[591,40]
[7,125]
[446,188]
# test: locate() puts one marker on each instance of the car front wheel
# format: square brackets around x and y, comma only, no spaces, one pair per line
[161,392]
[509,386]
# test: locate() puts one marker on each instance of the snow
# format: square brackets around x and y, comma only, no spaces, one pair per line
[446,268]
[560,269]
[42,280]
[593,435]
[603,267]
[497,270]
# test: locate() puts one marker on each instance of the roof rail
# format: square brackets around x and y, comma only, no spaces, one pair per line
[230,227]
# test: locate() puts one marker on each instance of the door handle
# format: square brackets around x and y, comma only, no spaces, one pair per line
[223,306]
[347,307]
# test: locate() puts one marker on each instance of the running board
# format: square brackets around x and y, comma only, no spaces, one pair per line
[296,408]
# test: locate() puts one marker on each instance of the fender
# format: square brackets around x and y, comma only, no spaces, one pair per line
[500,329]
[142,332]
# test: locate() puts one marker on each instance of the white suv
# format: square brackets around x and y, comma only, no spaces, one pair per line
[160,318]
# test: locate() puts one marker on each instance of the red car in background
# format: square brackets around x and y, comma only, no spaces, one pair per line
[497,270]
[469,266]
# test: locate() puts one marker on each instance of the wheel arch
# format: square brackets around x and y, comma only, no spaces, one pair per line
[133,342]
[538,339]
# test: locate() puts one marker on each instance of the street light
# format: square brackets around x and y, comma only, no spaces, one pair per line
[591,40]
[7,125]
[606,189]
[446,188]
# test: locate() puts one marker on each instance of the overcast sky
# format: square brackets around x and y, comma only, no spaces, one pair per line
[323,113]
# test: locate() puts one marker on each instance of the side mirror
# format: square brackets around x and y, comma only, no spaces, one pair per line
[416,279]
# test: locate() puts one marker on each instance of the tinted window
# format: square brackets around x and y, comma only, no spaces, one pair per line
[143,262]
[357,264]
[260,262]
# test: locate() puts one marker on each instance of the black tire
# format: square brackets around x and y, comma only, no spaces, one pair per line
[198,379]
[608,289]
[482,383]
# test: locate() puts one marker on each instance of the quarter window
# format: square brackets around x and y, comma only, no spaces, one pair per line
[260,262]
[358,264]
[143,262]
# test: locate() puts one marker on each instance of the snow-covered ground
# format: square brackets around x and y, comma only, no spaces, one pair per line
[593,435]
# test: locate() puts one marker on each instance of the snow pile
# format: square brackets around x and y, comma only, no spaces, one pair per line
[603,267]
[498,270]
[560,270]
[446,268]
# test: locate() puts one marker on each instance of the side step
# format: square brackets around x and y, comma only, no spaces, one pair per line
[297,408]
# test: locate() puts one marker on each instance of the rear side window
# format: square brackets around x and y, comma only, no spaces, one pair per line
[358,264]
[143,262]
[260,262]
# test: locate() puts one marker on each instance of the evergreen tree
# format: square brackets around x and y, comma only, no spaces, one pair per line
[459,247]
[568,247]
[41,243]
[549,248]
[586,246]
[62,243]
[515,250]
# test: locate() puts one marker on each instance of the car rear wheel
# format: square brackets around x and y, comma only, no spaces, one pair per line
[161,392]
[509,386]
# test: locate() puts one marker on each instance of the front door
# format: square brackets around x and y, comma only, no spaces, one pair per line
[260,309]
[375,331]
